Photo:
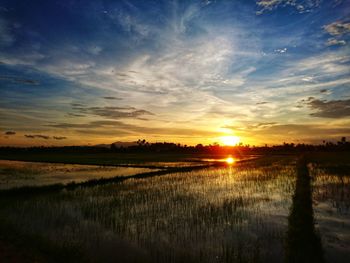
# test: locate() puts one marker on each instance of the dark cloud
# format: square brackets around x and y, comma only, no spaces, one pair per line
[113,112]
[37,136]
[324,90]
[45,137]
[105,123]
[19,80]
[112,98]
[10,133]
[75,115]
[262,103]
[330,109]
[77,105]
[92,125]
[59,138]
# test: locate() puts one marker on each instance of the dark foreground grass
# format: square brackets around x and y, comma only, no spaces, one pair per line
[18,247]
[303,243]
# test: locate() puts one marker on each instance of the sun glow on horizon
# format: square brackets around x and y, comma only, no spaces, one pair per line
[229,140]
[230,160]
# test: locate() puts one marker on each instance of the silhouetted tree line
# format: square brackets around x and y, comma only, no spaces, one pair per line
[142,146]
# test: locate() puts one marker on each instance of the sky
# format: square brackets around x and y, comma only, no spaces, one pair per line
[92,72]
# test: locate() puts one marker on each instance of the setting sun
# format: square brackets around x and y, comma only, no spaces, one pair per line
[230,160]
[229,140]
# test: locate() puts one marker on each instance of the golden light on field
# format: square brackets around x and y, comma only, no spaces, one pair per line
[230,160]
[229,140]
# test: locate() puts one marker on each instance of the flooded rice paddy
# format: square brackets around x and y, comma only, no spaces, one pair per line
[238,212]
[17,174]
[226,214]
[332,209]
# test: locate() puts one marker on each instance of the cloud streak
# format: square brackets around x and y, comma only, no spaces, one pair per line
[45,137]
[10,133]
[112,112]
[19,80]
[37,136]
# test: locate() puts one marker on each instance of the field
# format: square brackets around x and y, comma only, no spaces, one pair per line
[188,209]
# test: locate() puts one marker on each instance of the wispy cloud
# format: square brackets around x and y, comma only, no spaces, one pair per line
[19,80]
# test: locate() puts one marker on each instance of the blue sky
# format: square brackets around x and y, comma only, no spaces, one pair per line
[267,71]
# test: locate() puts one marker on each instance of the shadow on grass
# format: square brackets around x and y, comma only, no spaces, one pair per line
[303,243]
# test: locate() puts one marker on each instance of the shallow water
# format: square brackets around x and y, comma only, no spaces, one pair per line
[171,164]
[331,196]
[18,173]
